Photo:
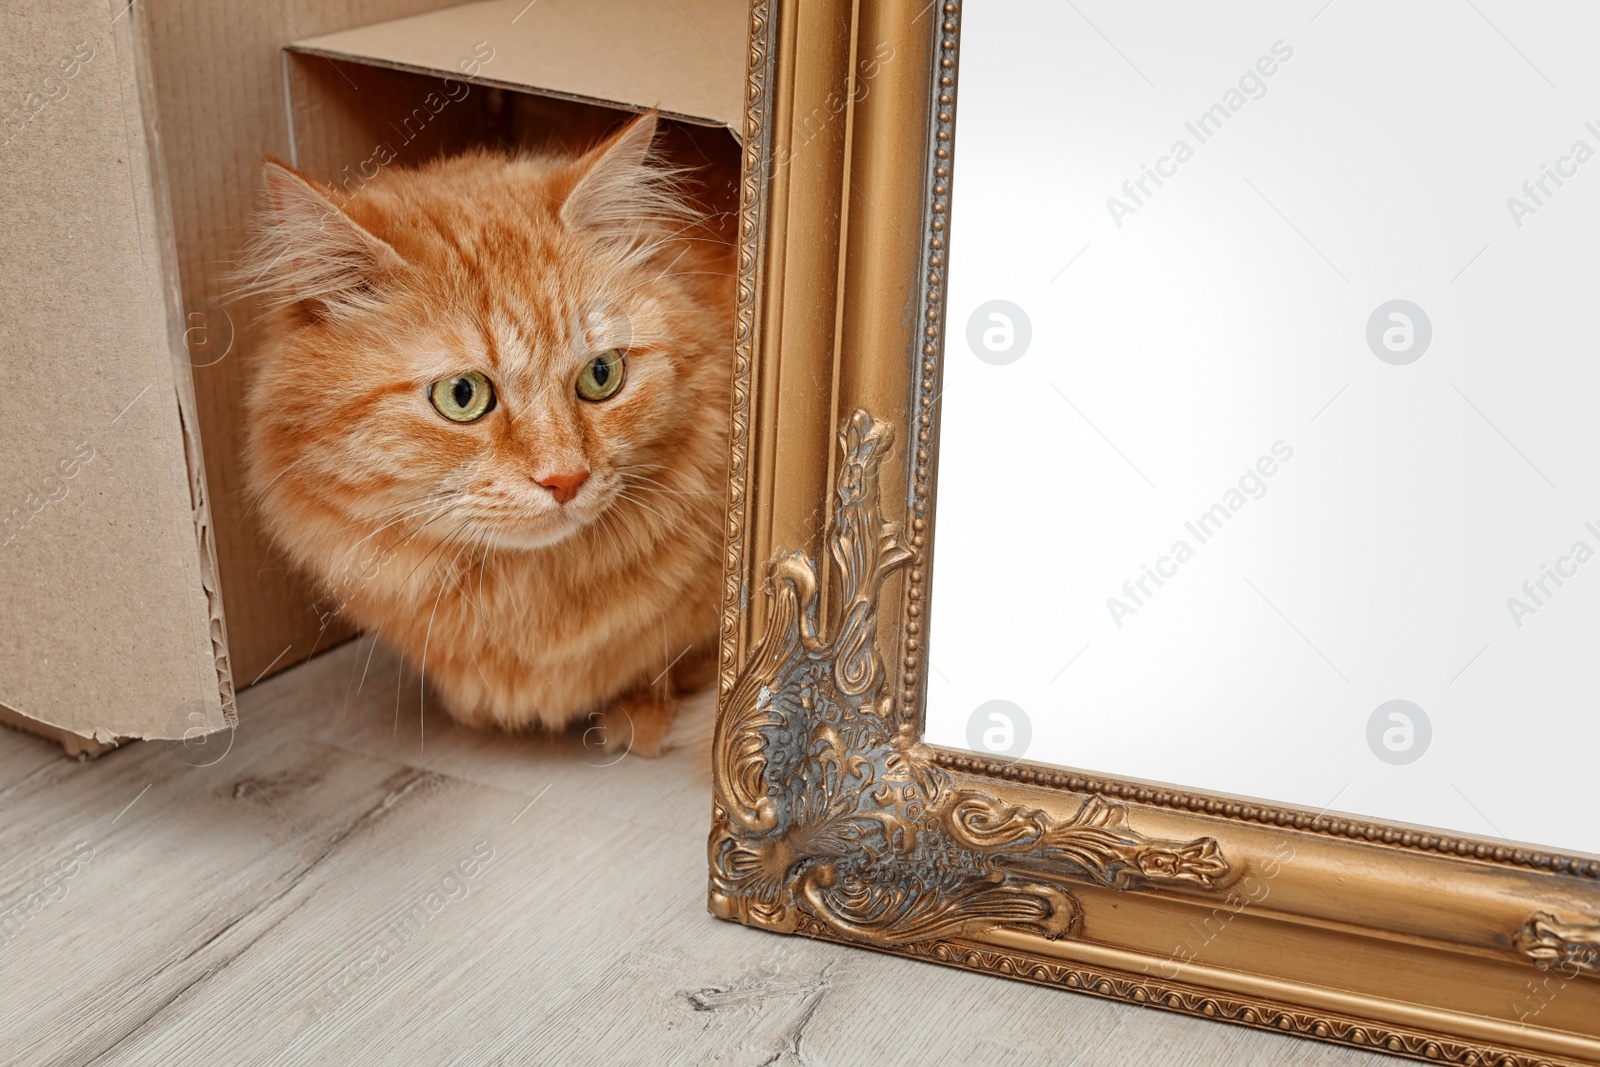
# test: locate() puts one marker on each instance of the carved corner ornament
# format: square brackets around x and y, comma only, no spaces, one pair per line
[1551,943]
[831,817]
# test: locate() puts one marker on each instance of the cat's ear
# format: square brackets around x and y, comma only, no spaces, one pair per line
[621,190]
[319,254]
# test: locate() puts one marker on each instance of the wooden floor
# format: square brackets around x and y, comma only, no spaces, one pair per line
[342,888]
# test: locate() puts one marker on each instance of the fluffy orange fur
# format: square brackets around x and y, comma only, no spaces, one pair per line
[523,600]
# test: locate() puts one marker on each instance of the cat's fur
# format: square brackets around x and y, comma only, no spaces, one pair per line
[439,537]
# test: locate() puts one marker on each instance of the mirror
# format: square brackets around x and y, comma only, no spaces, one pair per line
[1267,433]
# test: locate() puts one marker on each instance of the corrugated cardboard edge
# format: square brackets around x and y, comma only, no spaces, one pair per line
[75,744]
[167,247]
[342,55]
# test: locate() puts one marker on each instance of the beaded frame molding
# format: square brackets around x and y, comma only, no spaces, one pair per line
[833,819]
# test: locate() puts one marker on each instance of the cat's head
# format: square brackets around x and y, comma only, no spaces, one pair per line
[488,347]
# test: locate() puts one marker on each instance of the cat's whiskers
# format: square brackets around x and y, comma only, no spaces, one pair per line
[676,524]
[681,234]
[670,273]
[646,485]
[408,511]
[649,246]
[350,685]
[665,272]
[422,674]
[402,506]
[433,505]
[433,515]
[679,519]
[259,494]
[438,548]
[506,642]
[368,667]
[642,546]
[646,482]
[418,533]
[603,523]
[693,274]
[625,492]
[345,570]
[483,565]
[445,541]
[627,471]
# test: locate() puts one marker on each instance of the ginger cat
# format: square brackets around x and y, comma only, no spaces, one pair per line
[492,421]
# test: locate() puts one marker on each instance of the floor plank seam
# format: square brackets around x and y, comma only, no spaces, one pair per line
[393,796]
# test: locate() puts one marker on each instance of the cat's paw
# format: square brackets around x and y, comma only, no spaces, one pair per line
[637,724]
[693,730]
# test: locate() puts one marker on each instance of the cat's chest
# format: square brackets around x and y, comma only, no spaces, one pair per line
[551,606]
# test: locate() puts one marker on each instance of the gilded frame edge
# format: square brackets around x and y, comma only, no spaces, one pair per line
[1518,908]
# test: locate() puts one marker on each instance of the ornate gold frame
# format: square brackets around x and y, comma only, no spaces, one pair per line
[833,819]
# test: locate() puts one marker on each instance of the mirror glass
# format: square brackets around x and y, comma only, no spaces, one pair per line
[1268,455]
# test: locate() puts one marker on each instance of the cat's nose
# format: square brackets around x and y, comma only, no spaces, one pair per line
[564,486]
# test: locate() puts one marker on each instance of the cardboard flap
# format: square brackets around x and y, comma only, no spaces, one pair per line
[106,628]
[685,57]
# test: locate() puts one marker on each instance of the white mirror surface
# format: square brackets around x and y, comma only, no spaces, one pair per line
[1269,454]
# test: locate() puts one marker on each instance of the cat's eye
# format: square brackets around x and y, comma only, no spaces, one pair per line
[602,376]
[466,398]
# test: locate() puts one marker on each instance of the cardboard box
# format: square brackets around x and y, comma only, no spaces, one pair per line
[138,587]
